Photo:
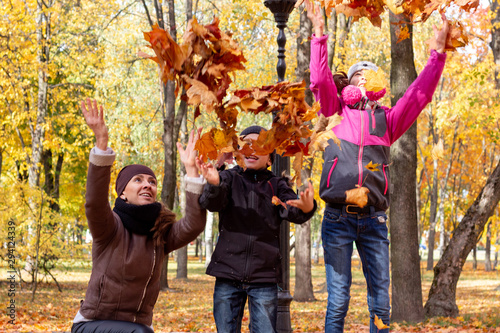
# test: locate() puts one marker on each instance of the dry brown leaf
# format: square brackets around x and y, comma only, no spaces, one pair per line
[357,196]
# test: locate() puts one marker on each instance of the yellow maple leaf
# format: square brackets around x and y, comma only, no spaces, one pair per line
[375,81]
[372,166]
[357,196]
[379,323]
[403,34]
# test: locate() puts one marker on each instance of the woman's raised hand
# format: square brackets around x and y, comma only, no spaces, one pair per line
[94,117]
[315,14]
[188,155]
[208,171]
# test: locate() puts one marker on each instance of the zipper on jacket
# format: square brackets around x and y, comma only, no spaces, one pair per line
[385,176]
[374,124]
[249,239]
[331,170]
[146,286]
[360,153]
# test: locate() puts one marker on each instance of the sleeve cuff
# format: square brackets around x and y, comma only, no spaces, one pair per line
[99,157]
[195,184]
[321,39]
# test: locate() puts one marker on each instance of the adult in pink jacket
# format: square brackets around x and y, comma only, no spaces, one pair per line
[366,133]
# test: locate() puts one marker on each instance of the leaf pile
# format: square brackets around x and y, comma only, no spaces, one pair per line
[202,65]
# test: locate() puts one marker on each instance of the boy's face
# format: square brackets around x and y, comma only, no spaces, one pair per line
[256,162]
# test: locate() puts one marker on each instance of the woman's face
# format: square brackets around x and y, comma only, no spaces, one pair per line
[358,79]
[140,190]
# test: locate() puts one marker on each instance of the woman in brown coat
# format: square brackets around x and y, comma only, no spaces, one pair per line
[131,240]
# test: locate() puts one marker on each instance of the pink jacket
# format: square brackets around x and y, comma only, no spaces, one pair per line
[366,135]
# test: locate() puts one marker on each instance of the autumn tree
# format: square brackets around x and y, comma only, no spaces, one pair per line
[442,295]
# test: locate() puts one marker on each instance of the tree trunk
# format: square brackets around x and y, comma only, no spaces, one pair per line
[332,39]
[209,238]
[38,131]
[442,301]
[182,253]
[432,217]
[406,283]
[1,163]
[495,39]
[487,254]
[52,177]
[474,258]
[303,276]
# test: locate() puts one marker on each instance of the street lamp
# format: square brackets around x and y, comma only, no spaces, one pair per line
[281,10]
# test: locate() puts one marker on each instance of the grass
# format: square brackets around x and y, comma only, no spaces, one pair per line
[187,306]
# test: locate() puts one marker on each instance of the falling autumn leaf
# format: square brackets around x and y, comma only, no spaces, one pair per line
[357,196]
[379,323]
[373,167]
[375,80]
[438,150]
[403,34]
[276,201]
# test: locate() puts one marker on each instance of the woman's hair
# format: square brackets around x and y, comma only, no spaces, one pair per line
[163,224]
[341,81]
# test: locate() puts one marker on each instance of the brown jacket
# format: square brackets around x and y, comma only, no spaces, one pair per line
[125,280]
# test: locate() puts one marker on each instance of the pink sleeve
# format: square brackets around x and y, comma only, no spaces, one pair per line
[417,96]
[322,84]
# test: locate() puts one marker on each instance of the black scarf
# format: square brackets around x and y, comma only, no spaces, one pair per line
[137,219]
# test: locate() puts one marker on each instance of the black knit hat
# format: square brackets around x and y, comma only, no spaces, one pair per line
[257,129]
[252,129]
[126,174]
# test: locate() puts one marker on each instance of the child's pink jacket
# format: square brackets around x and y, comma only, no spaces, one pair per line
[366,135]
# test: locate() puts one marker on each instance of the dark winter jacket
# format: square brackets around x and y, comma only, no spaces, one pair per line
[247,248]
[365,135]
[125,279]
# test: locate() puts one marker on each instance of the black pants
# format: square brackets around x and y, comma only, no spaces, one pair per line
[109,326]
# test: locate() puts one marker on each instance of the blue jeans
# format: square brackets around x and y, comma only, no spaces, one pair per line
[369,231]
[230,297]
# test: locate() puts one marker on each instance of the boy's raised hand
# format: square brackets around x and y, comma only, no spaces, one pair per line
[188,155]
[208,171]
[94,117]
[306,200]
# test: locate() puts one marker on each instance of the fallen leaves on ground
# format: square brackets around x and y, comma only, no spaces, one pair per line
[187,306]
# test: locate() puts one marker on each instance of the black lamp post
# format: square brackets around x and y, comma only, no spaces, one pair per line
[281,10]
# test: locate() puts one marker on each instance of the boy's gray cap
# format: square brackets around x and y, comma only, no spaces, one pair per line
[360,66]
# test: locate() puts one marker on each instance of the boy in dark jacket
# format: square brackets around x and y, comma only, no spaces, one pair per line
[246,261]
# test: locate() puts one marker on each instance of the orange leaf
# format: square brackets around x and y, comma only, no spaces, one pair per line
[206,147]
[276,201]
[357,196]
